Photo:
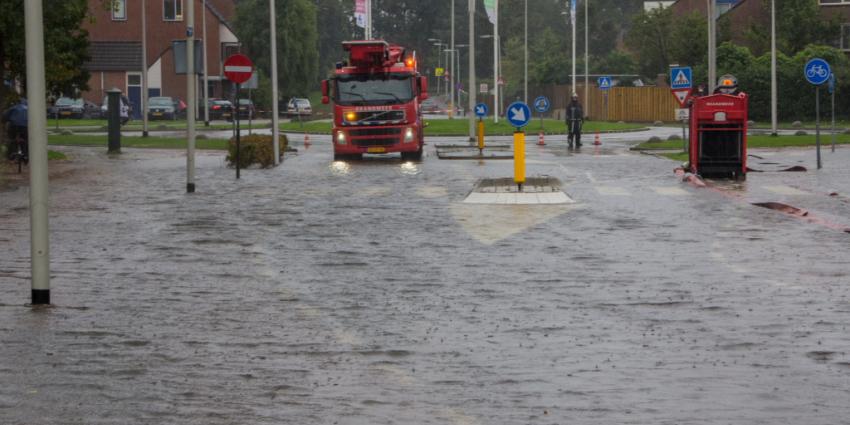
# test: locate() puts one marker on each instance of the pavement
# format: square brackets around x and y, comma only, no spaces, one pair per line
[368,292]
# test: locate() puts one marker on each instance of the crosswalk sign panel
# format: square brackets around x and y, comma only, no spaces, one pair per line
[604,83]
[681,77]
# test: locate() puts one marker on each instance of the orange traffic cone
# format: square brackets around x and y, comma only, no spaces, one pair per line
[306,139]
[597,142]
[541,140]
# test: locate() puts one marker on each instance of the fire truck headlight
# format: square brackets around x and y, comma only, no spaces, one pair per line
[340,138]
[408,135]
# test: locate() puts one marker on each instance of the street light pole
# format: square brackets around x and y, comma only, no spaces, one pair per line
[586,59]
[190,94]
[573,25]
[368,19]
[496,65]
[206,70]
[275,111]
[144,70]
[525,80]
[472,88]
[452,66]
[37,124]
[712,47]
[774,97]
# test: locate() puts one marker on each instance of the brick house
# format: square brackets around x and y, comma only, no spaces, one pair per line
[116,48]
[743,14]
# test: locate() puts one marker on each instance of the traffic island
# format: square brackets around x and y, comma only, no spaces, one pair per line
[543,190]
[448,151]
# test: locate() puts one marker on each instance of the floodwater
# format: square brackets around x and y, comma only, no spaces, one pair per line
[366,292]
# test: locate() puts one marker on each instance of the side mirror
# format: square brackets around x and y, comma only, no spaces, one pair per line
[423,88]
[325,98]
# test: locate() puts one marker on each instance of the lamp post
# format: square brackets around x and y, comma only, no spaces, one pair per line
[439,43]
[190,94]
[712,47]
[451,81]
[525,79]
[472,88]
[275,112]
[495,81]
[206,72]
[586,59]
[774,97]
[144,70]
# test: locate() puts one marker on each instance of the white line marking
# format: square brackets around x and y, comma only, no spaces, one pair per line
[234,68]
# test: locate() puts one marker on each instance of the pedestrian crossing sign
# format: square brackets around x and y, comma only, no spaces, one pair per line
[681,77]
[604,83]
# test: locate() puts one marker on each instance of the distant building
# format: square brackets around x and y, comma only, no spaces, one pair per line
[115,36]
[652,5]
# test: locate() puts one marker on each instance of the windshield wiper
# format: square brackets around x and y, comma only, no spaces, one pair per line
[398,99]
[351,93]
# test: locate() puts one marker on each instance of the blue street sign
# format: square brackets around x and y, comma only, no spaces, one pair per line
[604,83]
[481,110]
[817,71]
[541,104]
[681,77]
[519,114]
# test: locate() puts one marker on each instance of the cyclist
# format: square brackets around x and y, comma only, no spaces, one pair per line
[17,118]
[575,119]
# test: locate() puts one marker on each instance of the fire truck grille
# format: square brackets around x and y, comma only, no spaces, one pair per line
[375,132]
[363,117]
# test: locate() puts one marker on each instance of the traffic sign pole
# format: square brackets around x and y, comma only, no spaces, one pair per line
[238,147]
[817,123]
[817,72]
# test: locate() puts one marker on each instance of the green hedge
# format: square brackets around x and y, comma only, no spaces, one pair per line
[255,149]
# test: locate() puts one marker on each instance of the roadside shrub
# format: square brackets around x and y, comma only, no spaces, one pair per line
[255,149]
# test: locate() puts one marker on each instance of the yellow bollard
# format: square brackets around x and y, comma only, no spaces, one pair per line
[480,135]
[519,158]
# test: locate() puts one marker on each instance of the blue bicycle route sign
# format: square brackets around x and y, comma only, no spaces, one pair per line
[817,71]
[541,104]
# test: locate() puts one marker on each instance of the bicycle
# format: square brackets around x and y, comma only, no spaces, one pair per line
[817,70]
[18,154]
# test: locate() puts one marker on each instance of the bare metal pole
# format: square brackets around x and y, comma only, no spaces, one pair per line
[37,123]
[712,47]
[275,117]
[774,95]
[573,24]
[452,66]
[472,87]
[144,70]
[586,59]
[190,94]
[525,80]
[496,66]
[206,70]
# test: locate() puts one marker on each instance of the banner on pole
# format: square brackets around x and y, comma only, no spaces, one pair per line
[360,13]
[490,7]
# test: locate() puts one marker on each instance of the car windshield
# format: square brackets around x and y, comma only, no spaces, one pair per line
[245,102]
[373,89]
[66,101]
[161,101]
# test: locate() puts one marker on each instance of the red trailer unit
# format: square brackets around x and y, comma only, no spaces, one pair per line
[718,145]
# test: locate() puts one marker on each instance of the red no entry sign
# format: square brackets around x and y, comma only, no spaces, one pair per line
[238,68]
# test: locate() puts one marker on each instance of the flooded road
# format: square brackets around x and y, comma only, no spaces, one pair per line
[367,292]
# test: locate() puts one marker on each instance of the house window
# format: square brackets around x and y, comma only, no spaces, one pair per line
[833,2]
[845,37]
[172,10]
[119,10]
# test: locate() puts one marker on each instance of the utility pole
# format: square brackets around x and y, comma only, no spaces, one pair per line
[472,86]
[452,66]
[144,70]
[586,59]
[525,80]
[774,97]
[368,19]
[190,94]
[37,123]
[275,111]
[712,47]
[206,70]
[573,25]
[496,66]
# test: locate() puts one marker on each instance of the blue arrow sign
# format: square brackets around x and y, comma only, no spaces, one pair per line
[519,114]
[817,71]
[604,83]
[681,77]
[481,110]
[541,104]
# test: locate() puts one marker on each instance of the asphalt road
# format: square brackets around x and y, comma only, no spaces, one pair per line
[368,293]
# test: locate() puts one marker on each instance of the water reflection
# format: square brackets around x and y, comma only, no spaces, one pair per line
[340,168]
[410,168]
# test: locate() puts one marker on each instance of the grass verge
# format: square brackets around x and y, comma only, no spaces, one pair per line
[757,142]
[460,127]
[136,142]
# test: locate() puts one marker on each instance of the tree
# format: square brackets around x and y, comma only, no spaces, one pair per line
[65,50]
[297,41]
[649,40]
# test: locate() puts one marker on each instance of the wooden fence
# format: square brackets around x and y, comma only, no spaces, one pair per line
[631,104]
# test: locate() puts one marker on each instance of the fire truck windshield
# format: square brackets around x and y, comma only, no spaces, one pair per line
[373,89]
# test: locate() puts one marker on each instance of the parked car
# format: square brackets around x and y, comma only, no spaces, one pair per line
[221,109]
[430,106]
[163,108]
[299,106]
[65,107]
[246,109]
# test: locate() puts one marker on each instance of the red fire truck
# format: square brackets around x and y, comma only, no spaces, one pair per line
[376,96]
